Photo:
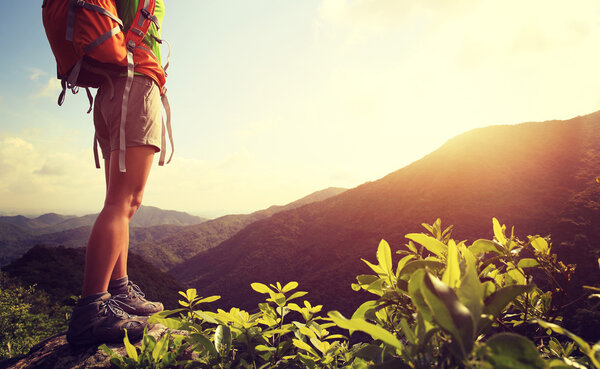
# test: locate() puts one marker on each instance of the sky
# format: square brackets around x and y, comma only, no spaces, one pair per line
[272,100]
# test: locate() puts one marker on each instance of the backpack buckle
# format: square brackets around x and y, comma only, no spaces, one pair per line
[131,46]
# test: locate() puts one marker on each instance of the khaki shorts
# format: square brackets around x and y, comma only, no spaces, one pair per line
[143,124]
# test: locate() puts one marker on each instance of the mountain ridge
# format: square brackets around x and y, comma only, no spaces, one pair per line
[164,245]
[525,175]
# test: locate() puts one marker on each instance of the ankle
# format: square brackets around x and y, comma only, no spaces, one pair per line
[119,284]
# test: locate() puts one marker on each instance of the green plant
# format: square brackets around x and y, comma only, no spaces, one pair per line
[443,304]
[153,354]
[446,304]
[27,316]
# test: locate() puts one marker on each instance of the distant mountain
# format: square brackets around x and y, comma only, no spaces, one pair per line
[146,216]
[164,245]
[59,272]
[41,222]
[19,233]
[537,177]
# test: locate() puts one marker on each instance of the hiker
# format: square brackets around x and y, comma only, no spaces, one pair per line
[127,114]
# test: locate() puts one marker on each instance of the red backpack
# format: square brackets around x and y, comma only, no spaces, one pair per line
[88,42]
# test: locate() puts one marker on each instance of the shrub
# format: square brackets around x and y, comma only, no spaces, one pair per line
[443,304]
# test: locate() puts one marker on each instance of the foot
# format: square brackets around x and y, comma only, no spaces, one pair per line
[131,298]
[99,319]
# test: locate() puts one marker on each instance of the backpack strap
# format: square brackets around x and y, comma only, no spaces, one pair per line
[166,105]
[85,5]
[144,17]
[163,150]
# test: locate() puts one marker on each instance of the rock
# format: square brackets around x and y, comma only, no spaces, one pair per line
[55,353]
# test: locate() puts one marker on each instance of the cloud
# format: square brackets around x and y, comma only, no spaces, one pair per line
[35,74]
[35,176]
[51,169]
[51,89]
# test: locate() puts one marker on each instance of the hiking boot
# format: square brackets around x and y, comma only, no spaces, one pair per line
[99,319]
[131,298]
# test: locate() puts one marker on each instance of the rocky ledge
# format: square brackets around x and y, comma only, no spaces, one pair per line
[55,353]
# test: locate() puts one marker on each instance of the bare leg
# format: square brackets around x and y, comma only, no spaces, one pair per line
[106,252]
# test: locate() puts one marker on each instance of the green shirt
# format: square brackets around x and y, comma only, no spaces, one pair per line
[126,10]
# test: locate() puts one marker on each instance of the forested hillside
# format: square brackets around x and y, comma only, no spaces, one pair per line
[537,177]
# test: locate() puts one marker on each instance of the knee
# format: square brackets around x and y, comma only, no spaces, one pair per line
[125,206]
[135,203]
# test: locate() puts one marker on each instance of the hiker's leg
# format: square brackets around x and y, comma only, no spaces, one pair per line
[109,238]
[120,269]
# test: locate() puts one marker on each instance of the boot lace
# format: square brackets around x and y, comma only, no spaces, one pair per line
[137,291]
[112,306]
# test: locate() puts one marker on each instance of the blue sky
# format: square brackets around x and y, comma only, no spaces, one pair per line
[273,100]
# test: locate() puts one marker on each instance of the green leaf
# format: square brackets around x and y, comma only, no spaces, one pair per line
[408,332]
[402,263]
[290,286]
[172,323]
[363,308]
[304,346]
[540,244]
[208,299]
[261,288]
[108,351]
[495,303]
[161,348]
[414,265]
[449,312]
[295,295]
[366,279]
[517,276]
[414,291]
[376,332]
[223,339]
[131,350]
[584,346]
[451,275]
[471,290]
[384,256]
[206,316]
[513,351]
[499,232]
[307,332]
[376,268]
[411,246]
[200,339]
[264,348]
[431,244]
[527,263]
[482,246]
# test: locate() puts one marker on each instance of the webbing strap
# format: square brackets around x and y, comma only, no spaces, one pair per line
[70,21]
[96,157]
[90,98]
[152,17]
[99,9]
[74,75]
[122,142]
[165,102]
[82,4]
[97,42]
[160,41]
[145,7]
[61,96]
